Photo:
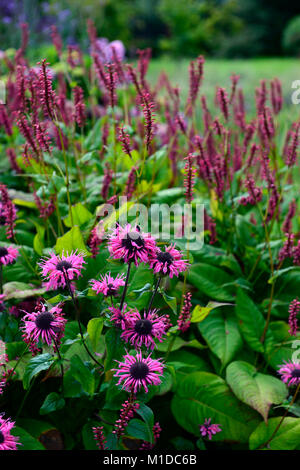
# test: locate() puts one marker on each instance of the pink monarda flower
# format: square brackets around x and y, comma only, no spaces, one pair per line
[45,324]
[208,429]
[290,373]
[7,440]
[294,309]
[108,285]
[136,372]
[130,244]
[59,268]
[139,330]
[168,262]
[8,254]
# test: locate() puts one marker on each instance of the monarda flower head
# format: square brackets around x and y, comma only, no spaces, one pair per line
[7,440]
[208,429]
[136,372]
[168,262]
[47,325]
[143,331]
[59,270]
[290,373]
[8,254]
[108,285]
[131,244]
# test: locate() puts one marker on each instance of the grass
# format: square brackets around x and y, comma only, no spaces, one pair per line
[251,71]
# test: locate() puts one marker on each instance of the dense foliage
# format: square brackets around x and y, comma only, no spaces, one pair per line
[206,336]
[222,28]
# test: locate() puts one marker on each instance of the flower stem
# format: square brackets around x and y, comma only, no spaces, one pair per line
[125,287]
[60,363]
[265,444]
[78,320]
[154,294]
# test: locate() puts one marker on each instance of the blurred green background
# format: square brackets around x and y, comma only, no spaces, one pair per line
[179,28]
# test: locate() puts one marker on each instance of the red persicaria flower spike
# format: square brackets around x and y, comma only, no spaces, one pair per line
[127,411]
[294,309]
[296,254]
[276,95]
[266,127]
[184,319]
[4,120]
[108,285]
[210,226]
[107,179]
[148,107]
[26,131]
[45,325]
[7,440]
[43,138]
[291,153]
[99,437]
[133,77]
[255,193]
[195,75]
[8,213]
[111,80]
[57,270]
[130,184]
[80,113]
[261,95]
[208,429]
[47,95]
[136,372]
[131,244]
[288,247]
[125,142]
[141,330]
[222,99]
[290,373]
[190,177]
[169,262]
[287,224]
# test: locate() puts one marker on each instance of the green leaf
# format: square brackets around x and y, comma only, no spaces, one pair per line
[36,365]
[94,329]
[53,402]
[210,280]
[200,313]
[80,216]
[71,241]
[28,442]
[83,374]
[21,290]
[222,335]
[286,438]
[201,395]
[138,429]
[251,321]
[257,390]
[38,241]
[114,347]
